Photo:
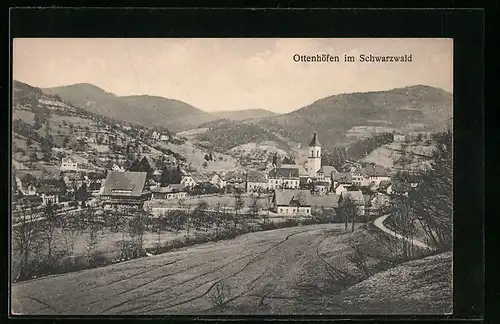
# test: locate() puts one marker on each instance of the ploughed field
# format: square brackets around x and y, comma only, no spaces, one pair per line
[285,271]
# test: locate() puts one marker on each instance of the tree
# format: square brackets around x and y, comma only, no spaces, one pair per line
[347,210]
[205,164]
[199,216]
[238,205]
[434,194]
[26,234]
[254,206]
[404,219]
[82,195]
[28,142]
[51,220]
[73,226]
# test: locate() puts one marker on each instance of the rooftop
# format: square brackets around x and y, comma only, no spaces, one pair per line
[290,197]
[315,140]
[124,183]
[283,173]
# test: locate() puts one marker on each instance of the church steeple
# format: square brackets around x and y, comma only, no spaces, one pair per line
[315,140]
[314,160]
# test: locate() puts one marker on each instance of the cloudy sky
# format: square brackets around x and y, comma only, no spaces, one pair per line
[231,74]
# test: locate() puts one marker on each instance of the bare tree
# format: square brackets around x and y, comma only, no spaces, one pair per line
[348,210]
[238,205]
[26,234]
[50,223]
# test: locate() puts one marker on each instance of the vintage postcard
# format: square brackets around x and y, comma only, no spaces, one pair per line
[237,176]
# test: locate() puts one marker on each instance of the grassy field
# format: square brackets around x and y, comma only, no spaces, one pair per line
[286,271]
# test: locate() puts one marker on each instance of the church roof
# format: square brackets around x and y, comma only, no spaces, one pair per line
[315,140]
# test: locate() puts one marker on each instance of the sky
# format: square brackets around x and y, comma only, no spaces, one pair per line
[231,73]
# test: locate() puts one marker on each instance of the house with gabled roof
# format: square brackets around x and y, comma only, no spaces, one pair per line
[256,181]
[355,196]
[288,178]
[124,189]
[292,202]
[172,191]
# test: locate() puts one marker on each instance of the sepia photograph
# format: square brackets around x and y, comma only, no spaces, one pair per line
[231,176]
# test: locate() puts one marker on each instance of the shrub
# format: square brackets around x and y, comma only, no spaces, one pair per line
[220,294]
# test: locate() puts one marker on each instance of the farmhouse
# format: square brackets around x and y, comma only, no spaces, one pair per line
[172,191]
[218,180]
[292,202]
[376,173]
[287,178]
[256,181]
[321,187]
[188,181]
[49,194]
[124,189]
[341,182]
[327,202]
[358,199]
[68,164]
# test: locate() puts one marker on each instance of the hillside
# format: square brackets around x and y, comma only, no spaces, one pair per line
[244,114]
[172,114]
[284,271]
[334,116]
[223,135]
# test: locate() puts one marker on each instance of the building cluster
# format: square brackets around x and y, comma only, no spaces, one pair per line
[296,189]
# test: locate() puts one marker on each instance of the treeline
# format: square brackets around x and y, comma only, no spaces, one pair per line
[223,139]
[357,150]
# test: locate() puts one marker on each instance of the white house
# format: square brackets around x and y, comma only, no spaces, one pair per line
[256,181]
[399,137]
[172,191]
[292,202]
[287,178]
[68,164]
[164,137]
[376,173]
[118,168]
[218,180]
[188,181]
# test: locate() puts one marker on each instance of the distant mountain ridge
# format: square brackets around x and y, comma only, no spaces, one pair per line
[333,116]
[244,114]
[146,110]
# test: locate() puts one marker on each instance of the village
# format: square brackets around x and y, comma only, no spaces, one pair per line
[284,190]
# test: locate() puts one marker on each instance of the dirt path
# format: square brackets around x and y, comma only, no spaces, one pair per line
[379,223]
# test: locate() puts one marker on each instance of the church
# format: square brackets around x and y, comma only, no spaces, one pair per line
[295,176]
[315,170]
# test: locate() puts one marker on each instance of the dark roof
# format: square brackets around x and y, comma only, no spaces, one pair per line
[170,188]
[37,174]
[400,187]
[315,140]
[48,189]
[322,183]
[328,201]
[283,173]
[289,197]
[384,184]
[356,195]
[342,177]
[375,171]
[124,183]
[327,170]
[254,176]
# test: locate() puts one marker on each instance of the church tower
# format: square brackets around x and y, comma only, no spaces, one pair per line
[314,160]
